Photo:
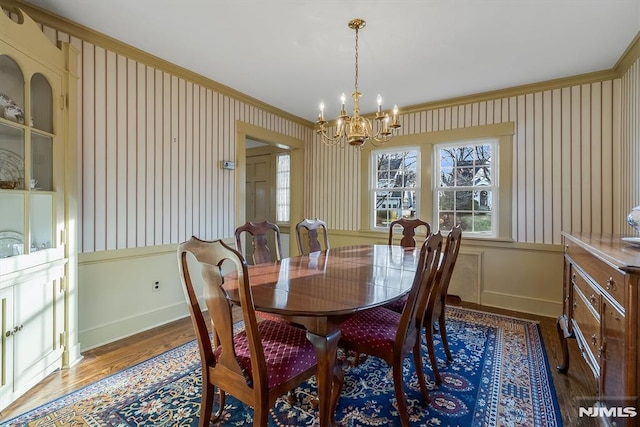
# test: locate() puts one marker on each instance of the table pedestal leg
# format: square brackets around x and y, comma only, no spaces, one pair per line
[326,349]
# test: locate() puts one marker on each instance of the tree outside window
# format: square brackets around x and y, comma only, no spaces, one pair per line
[395,186]
[466,187]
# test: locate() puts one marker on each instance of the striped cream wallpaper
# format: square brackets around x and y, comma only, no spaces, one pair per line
[566,159]
[150,143]
[630,138]
[149,151]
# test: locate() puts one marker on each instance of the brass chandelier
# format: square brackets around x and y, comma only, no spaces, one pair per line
[356,130]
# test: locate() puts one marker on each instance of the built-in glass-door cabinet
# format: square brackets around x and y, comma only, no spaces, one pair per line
[28,195]
[36,218]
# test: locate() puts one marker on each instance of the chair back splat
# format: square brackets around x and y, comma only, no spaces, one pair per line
[257,364]
[396,334]
[313,226]
[409,227]
[258,231]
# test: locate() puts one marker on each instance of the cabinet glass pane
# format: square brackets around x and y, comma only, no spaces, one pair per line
[11,157]
[41,162]
[11,224]
[41,221]
[11,90]
[41,104]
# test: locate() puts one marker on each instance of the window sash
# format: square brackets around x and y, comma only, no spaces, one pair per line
[478,211]
[283,187]
[390,196]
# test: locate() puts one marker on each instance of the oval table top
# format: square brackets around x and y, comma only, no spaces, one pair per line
[333,282]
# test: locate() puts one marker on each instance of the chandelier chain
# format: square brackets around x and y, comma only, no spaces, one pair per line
[356,85]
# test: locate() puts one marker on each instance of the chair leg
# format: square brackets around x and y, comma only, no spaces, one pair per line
[206,403]
[443,334]
[432,353]
[417,359]
[260,414]
[400,397]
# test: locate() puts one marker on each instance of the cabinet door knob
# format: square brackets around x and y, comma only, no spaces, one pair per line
[575,306]
[592,299]
[594,339]
[8,334]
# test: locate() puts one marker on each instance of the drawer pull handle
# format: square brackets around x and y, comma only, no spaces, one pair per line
[611,284]
[594,339]
[575,306]
[592,300]
[600,351]
[573,276]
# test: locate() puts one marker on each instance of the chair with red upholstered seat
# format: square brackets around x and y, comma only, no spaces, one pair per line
[259,232]
[313,243]
[383,333]
[257,365]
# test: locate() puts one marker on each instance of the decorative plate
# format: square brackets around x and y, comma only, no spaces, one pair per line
[11,243]
[635,241]
[11,166]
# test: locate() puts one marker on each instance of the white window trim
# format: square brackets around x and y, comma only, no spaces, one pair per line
[495,181]
[503,132]
[372,179]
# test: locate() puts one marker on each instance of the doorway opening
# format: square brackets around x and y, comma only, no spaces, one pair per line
[276,197]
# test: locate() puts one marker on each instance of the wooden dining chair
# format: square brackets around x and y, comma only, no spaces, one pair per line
[389,335]
[435,308]
[256,365]
[408,240]
[259,232]
[409,227]
[313,226]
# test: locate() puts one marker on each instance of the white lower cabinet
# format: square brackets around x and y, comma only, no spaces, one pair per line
[32,324]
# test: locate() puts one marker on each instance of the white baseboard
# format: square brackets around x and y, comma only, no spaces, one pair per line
[521,303]
[123,328]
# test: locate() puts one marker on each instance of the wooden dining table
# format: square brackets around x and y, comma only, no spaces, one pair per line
[321,289]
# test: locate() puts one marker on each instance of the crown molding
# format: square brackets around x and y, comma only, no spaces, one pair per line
[629,57]
[578,80]
[74,29]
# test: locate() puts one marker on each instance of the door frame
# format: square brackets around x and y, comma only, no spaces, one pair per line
[269,137]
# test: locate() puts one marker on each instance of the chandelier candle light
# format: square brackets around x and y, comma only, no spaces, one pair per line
[356,130]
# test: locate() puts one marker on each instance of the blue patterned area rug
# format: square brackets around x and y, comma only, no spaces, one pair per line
[500,377]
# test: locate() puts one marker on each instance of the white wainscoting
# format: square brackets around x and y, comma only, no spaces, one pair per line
[516,276]
[116,299]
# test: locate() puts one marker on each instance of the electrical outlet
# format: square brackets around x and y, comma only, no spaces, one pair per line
[155,286]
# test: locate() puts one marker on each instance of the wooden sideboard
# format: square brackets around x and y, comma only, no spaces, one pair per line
[600,310]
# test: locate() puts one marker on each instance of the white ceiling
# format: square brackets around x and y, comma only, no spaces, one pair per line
[293,54]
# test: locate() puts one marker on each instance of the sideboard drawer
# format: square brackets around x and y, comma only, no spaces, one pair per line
[588,326]
[591,294]
[610,279]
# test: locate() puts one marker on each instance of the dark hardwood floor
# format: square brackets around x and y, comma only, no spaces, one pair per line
[103,361]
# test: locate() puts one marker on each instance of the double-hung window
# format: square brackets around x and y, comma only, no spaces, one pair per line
[395,185]
[283,187]
[465,190]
